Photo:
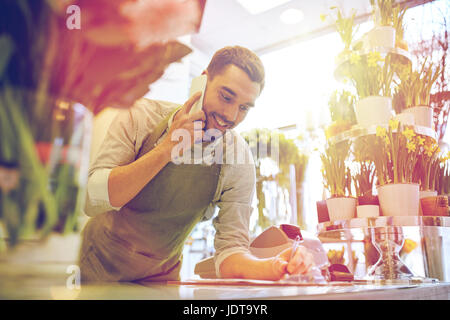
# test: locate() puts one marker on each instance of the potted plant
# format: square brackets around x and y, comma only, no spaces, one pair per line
[395,157]
[364,178]
[337,180]
[372,76]
[345,27]
[415,88]
[427,169]
[442,184]
[341,111]
[383,34]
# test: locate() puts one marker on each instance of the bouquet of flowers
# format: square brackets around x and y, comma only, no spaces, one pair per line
[52,64]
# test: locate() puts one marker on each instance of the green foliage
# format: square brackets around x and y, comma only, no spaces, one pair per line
[345,27]
[288,154]
[371,74]
[341,106]
[336,176]
[398,13]
[383,12]
[414,87]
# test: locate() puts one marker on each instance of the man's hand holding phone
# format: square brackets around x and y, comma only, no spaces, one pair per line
[185,120]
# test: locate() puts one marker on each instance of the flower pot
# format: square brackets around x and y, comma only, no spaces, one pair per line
[367,211]
[406,118]
[381,36]
[400,199]
[342,208]
[373,110]
[434,206]
[423,115]
[368,200]
[322,211]
[427,193]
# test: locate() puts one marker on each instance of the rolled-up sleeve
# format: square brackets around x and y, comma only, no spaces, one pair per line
[232,222]
[121,146]
[118,148]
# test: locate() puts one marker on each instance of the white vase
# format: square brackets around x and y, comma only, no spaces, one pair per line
[381,36]
[367,211]
[423,115]
[399,199]
[373,110]
[342,208]
[406,118]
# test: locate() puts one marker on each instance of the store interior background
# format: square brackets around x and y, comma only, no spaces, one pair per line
[298,50]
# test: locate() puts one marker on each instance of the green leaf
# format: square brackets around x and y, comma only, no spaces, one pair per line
[7,49]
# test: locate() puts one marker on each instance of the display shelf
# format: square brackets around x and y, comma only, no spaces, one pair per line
[385,221]
[387,235]
[358,131]
[399,55]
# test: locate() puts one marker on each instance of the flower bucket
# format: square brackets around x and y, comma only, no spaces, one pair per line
[322,211]
[342,208]
[373,110]
[434,206]
[423,115]
[368,211]
[406,118]
[368,200]
[400,199]
[427,193]
[381,36]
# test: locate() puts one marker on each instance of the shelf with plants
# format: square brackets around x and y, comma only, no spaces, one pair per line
[357,131]
[399,56]
[391,153]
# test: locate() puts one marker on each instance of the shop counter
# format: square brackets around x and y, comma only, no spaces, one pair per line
[52,281]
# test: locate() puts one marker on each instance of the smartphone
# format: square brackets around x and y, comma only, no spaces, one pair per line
[198,84]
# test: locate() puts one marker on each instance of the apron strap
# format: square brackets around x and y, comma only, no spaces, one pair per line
[157,133]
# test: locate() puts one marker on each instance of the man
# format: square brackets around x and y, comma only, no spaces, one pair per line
[144,206]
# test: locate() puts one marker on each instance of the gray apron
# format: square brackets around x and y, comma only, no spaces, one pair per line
[144,240]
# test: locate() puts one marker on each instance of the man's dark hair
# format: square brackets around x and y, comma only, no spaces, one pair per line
[242,58]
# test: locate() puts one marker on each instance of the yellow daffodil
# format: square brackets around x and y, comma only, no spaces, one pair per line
[355,58]
[428,150]
[373,58]
[381,132]
[420,140]
[393,124]
[411,146]
[408,133]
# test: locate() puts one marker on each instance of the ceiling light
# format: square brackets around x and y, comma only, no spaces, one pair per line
[260,6]
[292,16]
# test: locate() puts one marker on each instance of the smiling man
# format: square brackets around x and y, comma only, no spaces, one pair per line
[144,206]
